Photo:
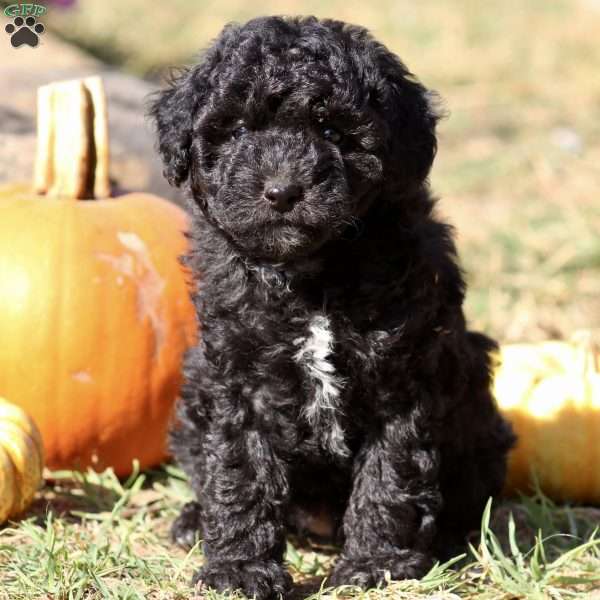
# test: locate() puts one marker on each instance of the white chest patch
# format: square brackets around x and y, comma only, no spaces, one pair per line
[323,411]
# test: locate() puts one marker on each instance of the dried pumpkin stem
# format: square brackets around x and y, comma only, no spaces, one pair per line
[72,146]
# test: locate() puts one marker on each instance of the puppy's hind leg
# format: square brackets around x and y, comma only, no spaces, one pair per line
[185,443]
[474,457]
[187,527]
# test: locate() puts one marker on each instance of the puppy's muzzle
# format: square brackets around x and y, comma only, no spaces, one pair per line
[282,196]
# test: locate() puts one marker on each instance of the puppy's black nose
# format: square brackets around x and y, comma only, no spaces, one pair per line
[283,196]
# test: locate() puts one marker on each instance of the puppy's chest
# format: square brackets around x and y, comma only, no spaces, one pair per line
[325,405]
[325,346]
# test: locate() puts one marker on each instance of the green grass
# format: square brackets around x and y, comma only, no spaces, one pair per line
[91,536]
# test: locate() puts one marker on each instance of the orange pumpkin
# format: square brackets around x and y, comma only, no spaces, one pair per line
[94,307]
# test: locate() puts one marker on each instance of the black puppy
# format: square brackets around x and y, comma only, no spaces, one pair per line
[334,368]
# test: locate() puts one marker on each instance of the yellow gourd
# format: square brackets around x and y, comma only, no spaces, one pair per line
[551,393]
[21,460]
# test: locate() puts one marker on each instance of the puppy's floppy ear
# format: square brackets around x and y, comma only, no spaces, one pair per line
[412,114]
[173,110]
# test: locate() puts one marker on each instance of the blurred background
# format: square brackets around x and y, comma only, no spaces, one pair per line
[517,171]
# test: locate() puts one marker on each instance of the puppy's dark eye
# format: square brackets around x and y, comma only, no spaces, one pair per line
[320,113]
[332,135]
[239,131]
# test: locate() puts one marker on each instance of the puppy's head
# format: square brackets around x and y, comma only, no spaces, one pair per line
[290,129]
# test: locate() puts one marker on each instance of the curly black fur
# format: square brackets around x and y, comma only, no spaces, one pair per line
[334,367]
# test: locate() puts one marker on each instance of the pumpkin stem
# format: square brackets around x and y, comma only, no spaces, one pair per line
[72,140]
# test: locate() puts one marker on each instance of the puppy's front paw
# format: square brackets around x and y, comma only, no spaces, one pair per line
[186,528]
[262,580]
[371,572]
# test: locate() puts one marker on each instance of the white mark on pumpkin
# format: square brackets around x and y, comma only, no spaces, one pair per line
[150,286]
[125,263]
[137,266]
[82,377]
